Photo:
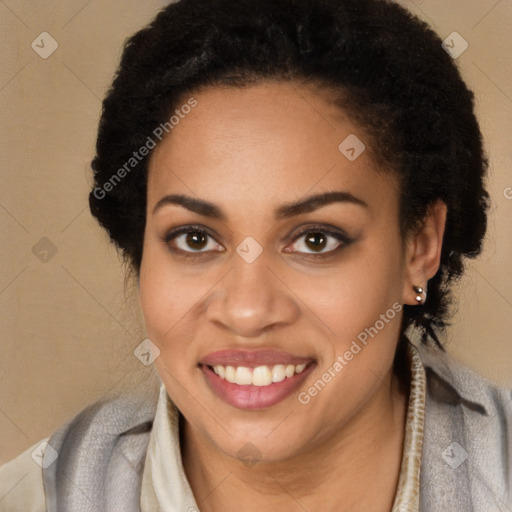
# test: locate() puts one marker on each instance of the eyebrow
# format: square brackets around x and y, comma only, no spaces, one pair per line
[292,209]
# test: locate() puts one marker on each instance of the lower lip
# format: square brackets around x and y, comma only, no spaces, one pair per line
[254,397]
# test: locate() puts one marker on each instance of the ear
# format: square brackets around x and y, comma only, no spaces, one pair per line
[423,252]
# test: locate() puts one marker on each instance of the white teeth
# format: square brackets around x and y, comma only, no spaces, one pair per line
[258,376]
[261,376]
[289,371]
[230,374]
[278,373]
[243,376]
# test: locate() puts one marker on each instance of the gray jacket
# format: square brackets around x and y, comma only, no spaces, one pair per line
[466,460]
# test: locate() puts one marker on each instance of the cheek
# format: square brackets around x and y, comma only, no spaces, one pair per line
[172,302]
[156,300]
[354,294]
[165,309]
[164,296]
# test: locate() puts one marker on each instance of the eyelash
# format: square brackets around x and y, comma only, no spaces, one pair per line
[339,236]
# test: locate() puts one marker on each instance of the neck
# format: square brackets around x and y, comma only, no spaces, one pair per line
[354,470]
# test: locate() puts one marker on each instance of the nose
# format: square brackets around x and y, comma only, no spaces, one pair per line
[252,299]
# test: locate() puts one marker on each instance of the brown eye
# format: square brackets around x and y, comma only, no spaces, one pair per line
[316,241]
[191,241]
[319,242]
[196,240]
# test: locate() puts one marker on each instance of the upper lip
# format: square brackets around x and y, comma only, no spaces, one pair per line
[252,358]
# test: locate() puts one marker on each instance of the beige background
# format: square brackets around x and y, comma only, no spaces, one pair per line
[69,325]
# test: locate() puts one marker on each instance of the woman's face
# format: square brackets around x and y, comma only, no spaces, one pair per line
[251,272]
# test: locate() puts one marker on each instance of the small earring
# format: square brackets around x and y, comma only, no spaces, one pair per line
[420,299]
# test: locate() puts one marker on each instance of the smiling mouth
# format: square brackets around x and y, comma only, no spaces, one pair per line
[258,386]
[263,375]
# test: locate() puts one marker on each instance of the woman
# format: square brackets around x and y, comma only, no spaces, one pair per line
[296,184]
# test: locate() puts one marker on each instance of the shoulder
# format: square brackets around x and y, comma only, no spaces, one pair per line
[450,381]
[101,452]
[21,482]
[106,440]
[467,434]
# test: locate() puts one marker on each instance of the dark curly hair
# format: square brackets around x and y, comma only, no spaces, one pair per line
[385,68]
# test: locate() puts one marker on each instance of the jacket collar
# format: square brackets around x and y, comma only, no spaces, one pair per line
[451,382]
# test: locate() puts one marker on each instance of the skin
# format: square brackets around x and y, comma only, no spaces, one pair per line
[248,151]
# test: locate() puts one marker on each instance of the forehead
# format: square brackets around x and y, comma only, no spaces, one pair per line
[264,143]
